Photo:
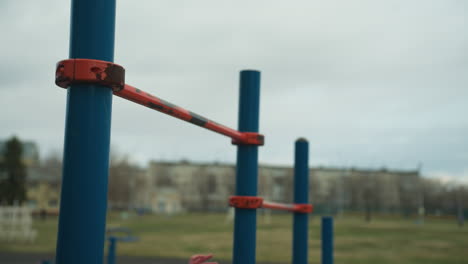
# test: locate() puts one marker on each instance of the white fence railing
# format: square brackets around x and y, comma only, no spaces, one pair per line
[16,224]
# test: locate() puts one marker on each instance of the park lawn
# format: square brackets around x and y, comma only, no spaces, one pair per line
[384,240]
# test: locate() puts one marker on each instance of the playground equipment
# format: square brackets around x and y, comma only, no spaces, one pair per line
[327,240]
[300,208]
[91,78]
[113,238]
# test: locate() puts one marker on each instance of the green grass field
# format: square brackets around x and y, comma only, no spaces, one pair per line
[384,240]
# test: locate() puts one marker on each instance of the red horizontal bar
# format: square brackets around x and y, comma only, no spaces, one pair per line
[277,206]
[297,208]
[143,98]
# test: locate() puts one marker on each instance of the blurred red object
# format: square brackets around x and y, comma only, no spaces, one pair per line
[200,259]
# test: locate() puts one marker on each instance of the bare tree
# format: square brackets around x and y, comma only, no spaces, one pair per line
[51,166]
[122,180]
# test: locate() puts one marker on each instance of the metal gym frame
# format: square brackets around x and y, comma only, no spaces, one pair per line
[91,78]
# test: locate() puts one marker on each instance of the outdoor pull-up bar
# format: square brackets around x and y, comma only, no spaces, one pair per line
[143,98]
[91,78]
[84,71]
[301,207]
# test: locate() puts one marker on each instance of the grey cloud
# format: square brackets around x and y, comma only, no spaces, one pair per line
[370,83]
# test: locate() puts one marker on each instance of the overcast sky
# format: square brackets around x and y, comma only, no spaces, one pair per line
[370,83]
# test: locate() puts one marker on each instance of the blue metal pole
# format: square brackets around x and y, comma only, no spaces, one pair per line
[87,137]
[245,222]
[327,240]
[301,196]
[111,253]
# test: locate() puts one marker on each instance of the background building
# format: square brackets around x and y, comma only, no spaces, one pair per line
[207,187]
[175,187]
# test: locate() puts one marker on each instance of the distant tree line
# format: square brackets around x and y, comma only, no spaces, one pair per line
[370,193]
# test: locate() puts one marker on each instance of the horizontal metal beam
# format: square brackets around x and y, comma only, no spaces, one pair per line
[297,208]
[278,206]
[146,99]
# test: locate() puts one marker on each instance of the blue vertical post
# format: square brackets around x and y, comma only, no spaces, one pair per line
[112,250]
[245,222]
[301,196]
[87,137]
[327,240]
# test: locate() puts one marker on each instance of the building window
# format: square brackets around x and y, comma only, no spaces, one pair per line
[32,203]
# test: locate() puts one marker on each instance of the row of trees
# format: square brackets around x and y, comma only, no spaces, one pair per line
[369,194]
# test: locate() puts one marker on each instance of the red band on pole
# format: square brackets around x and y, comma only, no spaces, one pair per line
[105,73]
[250,138]
[246,202]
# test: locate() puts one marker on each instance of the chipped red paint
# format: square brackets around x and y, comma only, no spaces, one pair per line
[143,98]
[89,71]
[113,75]
[246,202]
[250,138]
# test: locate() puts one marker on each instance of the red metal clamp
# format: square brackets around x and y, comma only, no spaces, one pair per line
[303,208]
[246,202]
[105,73]
[250,138]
